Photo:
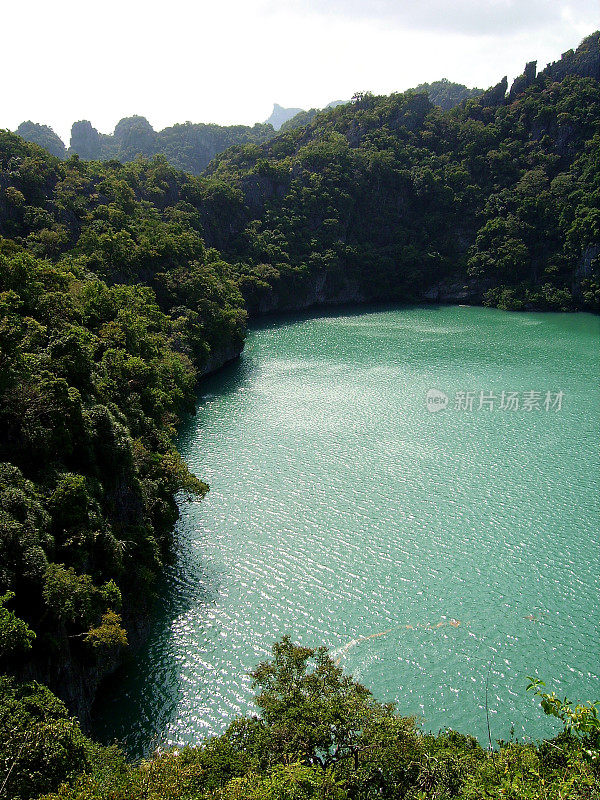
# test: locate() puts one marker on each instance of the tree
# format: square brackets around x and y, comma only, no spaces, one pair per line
[16,636]
[40,745]
[314,711]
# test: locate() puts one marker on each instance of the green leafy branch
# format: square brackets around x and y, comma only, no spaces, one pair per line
[579,720]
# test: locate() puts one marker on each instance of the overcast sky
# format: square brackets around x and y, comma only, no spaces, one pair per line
[227,61]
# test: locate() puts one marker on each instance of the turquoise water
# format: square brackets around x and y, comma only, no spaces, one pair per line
[464,543]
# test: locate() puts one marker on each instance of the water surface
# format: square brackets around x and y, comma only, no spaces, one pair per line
[340,509]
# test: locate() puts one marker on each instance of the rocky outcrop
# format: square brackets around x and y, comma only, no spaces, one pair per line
[523,81]
[496,95]
[85,140]
[44,136]
[457,292]
[584,62]
[279,115]
[220,357]
[134,136]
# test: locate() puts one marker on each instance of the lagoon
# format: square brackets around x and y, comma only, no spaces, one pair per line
[441,556]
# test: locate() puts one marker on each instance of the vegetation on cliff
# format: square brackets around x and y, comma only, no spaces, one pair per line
[319,734]
[187,146]
[391,197]
[110,306]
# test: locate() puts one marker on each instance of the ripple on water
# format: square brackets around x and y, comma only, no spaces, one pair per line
[428,551]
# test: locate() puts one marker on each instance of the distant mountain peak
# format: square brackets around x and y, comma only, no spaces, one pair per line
[44,136]
[279,115]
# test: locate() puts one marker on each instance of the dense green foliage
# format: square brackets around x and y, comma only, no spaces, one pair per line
[581,720]
[390,197]
[320,734]
[121,284]
[41,745]
[110,306]
[447,94]
[189,146]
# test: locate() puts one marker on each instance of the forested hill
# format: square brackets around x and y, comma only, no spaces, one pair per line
[191,146]
[496,200]
[121,284]
[444,93]
[188,146]
[447,94]
[95,369]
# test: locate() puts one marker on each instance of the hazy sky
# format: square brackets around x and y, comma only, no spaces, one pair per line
[227,61]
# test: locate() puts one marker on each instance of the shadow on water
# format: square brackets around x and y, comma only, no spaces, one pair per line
[146,687]
[277,319]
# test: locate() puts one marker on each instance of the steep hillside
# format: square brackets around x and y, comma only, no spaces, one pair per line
[495,201]
[95,369]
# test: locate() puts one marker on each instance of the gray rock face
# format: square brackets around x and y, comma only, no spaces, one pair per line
[523,81]
[44,136]
[584,62]
[219,358]
[85,140]
[586,262]
[449,292]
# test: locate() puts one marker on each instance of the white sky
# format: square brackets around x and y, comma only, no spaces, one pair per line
[227,61]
